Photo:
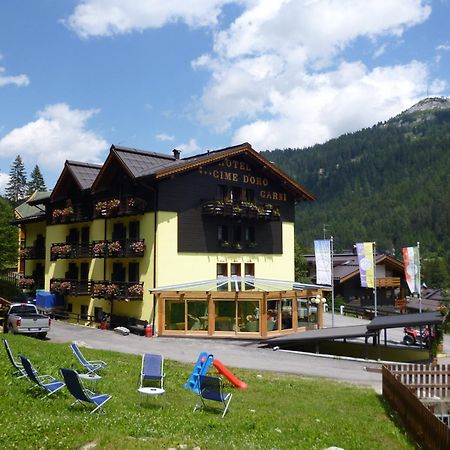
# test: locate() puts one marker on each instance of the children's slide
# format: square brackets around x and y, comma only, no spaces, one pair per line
[230,376]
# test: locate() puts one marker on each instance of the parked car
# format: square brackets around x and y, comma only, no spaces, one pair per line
[23,318]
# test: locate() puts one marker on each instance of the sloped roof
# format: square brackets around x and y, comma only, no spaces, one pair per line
[194,162]
[26,211]
[82,173]
[140,163]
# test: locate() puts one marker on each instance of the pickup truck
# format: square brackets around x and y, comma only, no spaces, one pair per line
[24,318]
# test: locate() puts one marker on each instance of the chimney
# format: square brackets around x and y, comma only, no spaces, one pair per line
[176,153]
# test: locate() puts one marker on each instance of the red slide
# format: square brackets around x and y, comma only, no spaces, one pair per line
[230,376]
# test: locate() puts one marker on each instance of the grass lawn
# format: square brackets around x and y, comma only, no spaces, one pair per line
[276,412]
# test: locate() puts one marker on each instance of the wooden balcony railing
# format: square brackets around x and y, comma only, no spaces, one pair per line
[119,290]
[119,206]
[32,253]
[70,286]
[127,248]
[388,282]
[69,214]
[241,210]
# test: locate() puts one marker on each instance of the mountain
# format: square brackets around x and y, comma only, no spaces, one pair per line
[389,183]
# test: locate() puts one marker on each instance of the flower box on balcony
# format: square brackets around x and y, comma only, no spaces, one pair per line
[136,290]
[62,214]
[26,252]
[26,283]
[60,251]
[114,248]
[138,247]
[61,287]
[107,207]
[98,250]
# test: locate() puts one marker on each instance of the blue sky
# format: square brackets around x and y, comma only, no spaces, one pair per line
[79,75]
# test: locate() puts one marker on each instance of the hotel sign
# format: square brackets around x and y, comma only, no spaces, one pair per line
[235,171]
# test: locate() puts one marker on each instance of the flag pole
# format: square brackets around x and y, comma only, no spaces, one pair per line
[420,281]
[332,282]
[375,278]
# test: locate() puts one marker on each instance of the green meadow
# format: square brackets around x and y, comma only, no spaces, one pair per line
[276,412]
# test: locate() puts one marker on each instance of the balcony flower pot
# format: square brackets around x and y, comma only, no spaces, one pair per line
[26,283]
[98,249]
[136,290]
[137,247]
[114,248]
[224,244]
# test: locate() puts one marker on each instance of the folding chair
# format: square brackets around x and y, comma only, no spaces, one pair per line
[152,371]
[20,371]
[51,386]
[211,388]
[90,366]
[81,394]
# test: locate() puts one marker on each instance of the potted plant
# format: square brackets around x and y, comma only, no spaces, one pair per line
[138,247]
[26,283]
[114,247]
[111,290]
[98,290]
[136,290]
[99,249]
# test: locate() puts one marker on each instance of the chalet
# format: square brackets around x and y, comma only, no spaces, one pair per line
[390,279]
[109,236]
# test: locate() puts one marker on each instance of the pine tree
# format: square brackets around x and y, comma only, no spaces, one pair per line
[36,182]
[16,189]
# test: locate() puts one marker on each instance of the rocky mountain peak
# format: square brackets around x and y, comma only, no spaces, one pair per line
[429,103]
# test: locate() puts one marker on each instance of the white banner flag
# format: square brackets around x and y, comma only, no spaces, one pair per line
[322,250]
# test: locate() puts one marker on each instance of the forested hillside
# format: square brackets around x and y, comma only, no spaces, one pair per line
[389,184]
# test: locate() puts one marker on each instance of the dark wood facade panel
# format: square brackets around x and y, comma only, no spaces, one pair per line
[197,232]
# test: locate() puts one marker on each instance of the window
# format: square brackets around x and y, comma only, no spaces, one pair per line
[119,232]
[133,230]
[250,235]
[118,273]
[249,269]
[98,314]
[85,234]
[222,270]
[72,273]
[222,233]
[250,195]
[133,272]
[73,236]
[235,269]
[237,235]
[236,194]
[222,192]
[84,312]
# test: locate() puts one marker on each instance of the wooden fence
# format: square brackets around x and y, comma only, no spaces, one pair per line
[403,387]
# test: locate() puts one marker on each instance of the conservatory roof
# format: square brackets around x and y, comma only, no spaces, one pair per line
[258,284]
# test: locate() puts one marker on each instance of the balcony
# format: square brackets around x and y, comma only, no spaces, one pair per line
[126,248]
[241,210]
[69,286]
[388,282]
[232,247]
[120,206]
[117,290]
[32,253]
[70,214]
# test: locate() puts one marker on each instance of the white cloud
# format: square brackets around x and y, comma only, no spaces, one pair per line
[190,148]
[58,133]
[18,80]
[443,47]
[106,18]
[327,105]
[164,137]
[4,180]
[278,71]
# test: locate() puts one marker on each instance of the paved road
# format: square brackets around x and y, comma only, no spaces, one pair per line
[234,353]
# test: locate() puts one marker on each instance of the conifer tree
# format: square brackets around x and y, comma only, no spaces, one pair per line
[16,189]
[36,182]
